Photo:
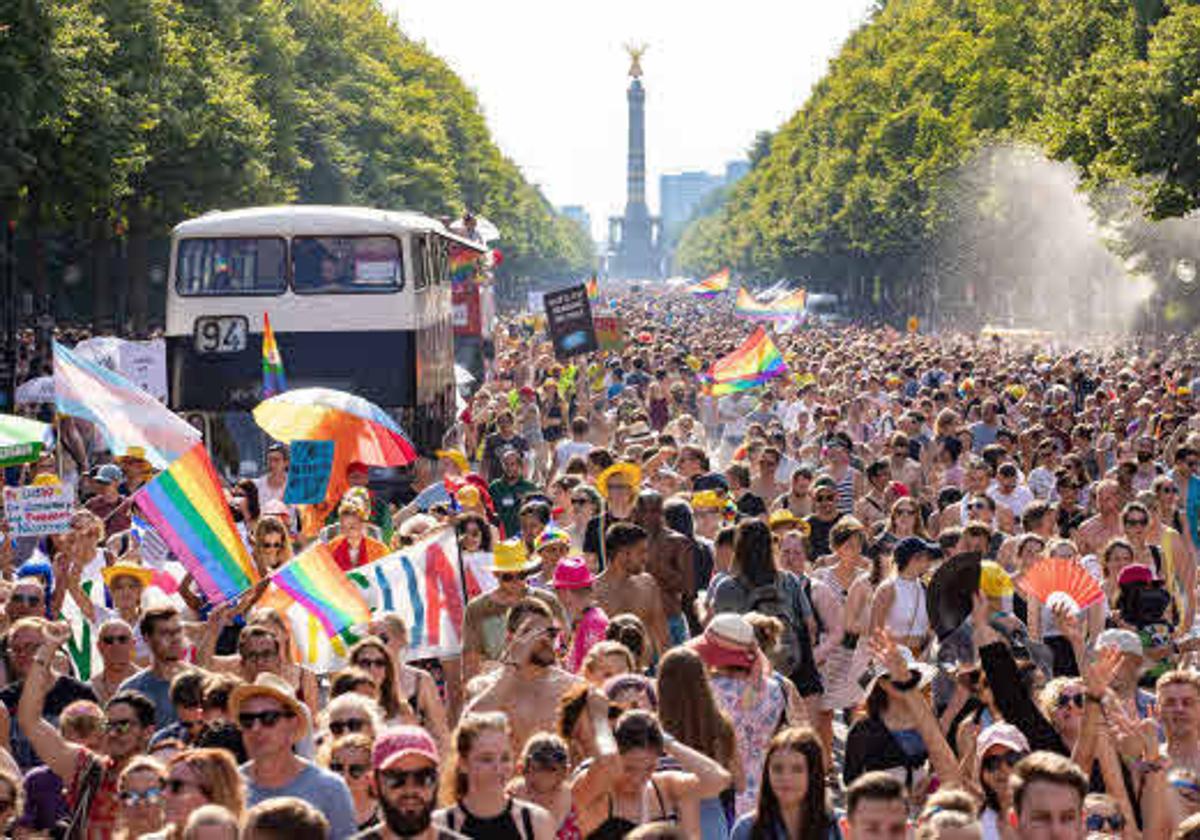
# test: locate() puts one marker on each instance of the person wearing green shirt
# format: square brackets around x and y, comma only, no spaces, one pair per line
[508,491]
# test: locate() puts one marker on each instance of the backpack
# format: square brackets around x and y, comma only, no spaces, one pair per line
[778,600]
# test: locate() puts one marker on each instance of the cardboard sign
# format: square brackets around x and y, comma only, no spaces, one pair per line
[610,332]
[39,511]
[569,321]
[308,472]
[142,362]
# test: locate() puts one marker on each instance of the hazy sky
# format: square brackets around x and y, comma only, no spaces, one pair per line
[551,77]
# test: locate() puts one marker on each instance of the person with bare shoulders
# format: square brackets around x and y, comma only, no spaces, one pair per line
[625,587]
[1095,532]
[670,562]
[530,684]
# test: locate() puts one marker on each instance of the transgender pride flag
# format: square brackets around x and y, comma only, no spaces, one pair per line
[124,413]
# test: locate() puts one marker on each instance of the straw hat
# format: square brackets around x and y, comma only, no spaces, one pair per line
[510,556]
[993,580]
[785,520]
[632,472]
[275,687]
[708,500]
[124,568]
[133,455]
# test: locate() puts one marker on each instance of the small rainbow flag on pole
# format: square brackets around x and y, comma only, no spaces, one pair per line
[787,307]
[593,288]
[464,263]
[316,582]
[186,505]
[711,286]
[752,364]
[274,382]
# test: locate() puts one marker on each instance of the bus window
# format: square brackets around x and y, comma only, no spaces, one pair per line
[231,267]
[335,264]
[420,262]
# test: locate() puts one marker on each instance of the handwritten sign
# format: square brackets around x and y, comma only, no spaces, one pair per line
[308,472]
[610,332]
[38,511]
[569,321]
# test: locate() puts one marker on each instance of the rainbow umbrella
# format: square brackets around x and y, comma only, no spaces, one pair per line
[21,439]
[360,430]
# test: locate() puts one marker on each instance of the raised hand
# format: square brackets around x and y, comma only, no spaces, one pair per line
[883,647]
[56,633]
[1099,674]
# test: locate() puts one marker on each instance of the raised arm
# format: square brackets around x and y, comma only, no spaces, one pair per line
[711,777]
[596,778]
[55,751]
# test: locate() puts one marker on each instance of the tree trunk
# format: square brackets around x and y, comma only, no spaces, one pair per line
[139,268]
[102,303]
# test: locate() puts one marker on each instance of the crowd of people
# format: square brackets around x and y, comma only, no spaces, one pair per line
[936,586]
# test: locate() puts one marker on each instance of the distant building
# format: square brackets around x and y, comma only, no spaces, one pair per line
[635,251]
[735,170]
[579,215]
[680,194]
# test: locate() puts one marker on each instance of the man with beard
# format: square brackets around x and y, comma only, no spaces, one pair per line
[530,685]
[405,760]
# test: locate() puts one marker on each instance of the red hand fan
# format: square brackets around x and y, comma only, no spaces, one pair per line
[1061,574]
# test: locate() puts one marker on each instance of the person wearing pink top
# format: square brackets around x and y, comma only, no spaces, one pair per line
[573,585]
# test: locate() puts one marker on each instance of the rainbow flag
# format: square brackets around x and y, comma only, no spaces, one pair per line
[126,415]
[711,286]
[316,582]
[752,364]
[593,288]
[789,306]
[464,263]
[186,504]
[274,382]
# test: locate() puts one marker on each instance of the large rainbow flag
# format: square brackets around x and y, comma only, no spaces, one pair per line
[784,308]
[593,288]
[186,505]
[274,381]
[316,582]
[464,263]
[126,415]
[712,285]
[752,364]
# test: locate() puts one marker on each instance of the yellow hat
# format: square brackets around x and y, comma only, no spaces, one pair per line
[993,580]
[693,362]
[356,502]
[468,495]
[45,480]
[126,569]
[132,454]
[708,500]
[459,459]
[785,520]
[510,556]
[631,471]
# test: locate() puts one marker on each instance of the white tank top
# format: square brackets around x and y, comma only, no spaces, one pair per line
[908,615]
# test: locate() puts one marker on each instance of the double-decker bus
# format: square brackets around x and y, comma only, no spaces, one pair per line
[359,300]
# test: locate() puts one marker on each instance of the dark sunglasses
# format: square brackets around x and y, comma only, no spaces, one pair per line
[1136,523]
[340,727]
[369,662]
[1011,758]
[356,771]
[579,502]
[426,778]
[150,796]
[271,545]
[268,719]
[27,600]
[116,640]
[1105,822]
[1065,700]
[508,577]
[1170,491]
[824,498]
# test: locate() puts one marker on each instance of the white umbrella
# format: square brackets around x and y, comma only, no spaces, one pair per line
[462,376]
[39,390]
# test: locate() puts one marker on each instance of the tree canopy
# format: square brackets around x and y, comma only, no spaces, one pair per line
[855,183]
[126,116]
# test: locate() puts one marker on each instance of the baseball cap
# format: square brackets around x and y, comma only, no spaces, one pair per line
[1001,735]
[910,547]
[399,741]
[108,474]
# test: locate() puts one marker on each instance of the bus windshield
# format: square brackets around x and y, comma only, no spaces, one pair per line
[231,266]
[325,264]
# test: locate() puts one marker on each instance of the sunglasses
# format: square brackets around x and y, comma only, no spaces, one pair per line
[1011,758]
[1136,523]
[270,545]
[822,499]
[1169,491]
[579,502]
[118,727]
[370,662]
[268,719]
[150,796]
[1105,822]
[340,727]
[356,771]
[508,577]
[116,640]
[27,600]
[1065,700]
[396,779]
[978,506]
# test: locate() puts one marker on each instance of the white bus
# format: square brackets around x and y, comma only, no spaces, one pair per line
[359,300]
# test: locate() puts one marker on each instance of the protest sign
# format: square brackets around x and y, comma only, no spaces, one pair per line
[308,471]
[610,332]
[38,510]
[569,321]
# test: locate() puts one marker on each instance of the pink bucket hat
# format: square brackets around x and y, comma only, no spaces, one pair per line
[572,573]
